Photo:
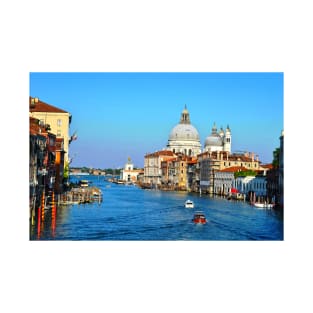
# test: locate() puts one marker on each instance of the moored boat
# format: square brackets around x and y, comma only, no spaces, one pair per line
[263,205]
[83,183]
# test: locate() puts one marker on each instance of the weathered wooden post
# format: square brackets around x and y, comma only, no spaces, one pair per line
[43,206]
[53,215]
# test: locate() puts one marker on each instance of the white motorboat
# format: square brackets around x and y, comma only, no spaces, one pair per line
[189,204]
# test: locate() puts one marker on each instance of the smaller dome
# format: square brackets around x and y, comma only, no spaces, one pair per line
[213,140]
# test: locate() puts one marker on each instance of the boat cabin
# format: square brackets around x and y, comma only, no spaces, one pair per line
[83,183]
[199,218]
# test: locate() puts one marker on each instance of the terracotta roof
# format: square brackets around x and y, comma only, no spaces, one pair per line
[243,158]
[228,157]
[41,106]
[192,162]
[269,166]
[159,153]
[234,169]
[170,159]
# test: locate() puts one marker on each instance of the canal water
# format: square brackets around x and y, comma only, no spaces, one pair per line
[131,213]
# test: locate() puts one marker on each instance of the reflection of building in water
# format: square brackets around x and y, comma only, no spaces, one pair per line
[129,174]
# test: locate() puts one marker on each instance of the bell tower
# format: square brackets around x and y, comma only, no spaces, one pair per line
[227,140]
[185,118]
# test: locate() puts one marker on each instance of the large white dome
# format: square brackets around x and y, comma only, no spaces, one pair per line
[184,137]
[184,132]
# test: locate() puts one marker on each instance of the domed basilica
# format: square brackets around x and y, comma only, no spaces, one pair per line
[184,138]
[218,141]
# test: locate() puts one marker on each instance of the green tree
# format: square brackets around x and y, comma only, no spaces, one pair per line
[66,170]
[245,173]
[276,154]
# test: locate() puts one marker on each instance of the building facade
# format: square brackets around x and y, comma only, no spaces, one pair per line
[280,199]
[56,119]
[179,173]
[251,184]
[212,161]
[129,174]
[46,164]
[223,181]
[152,166]
[275,177]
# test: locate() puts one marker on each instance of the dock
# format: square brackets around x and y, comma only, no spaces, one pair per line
[80,195]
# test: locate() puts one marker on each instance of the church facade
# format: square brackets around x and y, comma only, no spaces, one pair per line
[129,174]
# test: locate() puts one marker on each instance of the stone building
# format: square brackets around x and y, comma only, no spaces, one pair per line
[152,166]
[211,162]
[177,172]
[280,199]
[129,174]
[223,180]
[56,119]
[275,177]
[251,184]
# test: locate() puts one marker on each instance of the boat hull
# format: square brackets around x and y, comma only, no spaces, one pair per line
[199,220]
[264,205]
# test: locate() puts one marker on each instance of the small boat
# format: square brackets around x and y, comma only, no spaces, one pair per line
[83,183]
[199,218]
[263,205]
[189,204]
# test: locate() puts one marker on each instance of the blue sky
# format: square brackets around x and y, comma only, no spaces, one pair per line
[117,115]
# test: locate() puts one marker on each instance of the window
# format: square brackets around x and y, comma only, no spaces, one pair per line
[59,122]
[58,133]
